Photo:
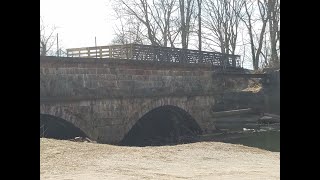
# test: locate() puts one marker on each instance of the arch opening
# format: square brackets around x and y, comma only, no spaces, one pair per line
[58,128]
[165,125]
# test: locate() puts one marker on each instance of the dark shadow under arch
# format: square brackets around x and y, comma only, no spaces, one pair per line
[162,126]
[58,128]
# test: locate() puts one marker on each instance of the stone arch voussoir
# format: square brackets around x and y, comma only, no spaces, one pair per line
[60,112]
[179,102]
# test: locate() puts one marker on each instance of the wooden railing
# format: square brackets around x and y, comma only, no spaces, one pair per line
[155,53]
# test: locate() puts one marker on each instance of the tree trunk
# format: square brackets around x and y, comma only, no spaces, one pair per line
[273,28]
[183,25]
[199,23]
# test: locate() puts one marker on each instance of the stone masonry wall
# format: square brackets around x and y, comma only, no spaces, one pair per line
[92,78]
[109,120]
[105,98]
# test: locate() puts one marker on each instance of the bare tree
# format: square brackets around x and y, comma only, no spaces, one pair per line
[199,3]
[219,22]
[222,19]
[273,11]
[163,11]
[140,9]
[129,31]
[248,20]
[47,38]
[186,11]
[161,19]
[156,19]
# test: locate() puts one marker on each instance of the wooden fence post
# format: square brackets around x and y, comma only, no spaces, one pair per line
[110,52]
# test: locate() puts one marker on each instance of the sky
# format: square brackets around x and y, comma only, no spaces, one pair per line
[78,22]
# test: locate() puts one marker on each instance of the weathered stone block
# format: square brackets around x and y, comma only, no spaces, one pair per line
[105,98]
[110,77]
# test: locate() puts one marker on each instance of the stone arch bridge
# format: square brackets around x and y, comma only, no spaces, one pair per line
[106,98]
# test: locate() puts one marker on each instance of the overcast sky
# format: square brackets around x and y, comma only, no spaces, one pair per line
[79,21]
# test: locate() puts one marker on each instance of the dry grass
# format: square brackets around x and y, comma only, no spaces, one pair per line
[253,86]
[253,89]
[204,160]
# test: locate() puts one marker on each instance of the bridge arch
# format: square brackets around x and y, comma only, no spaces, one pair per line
[163,117]
[58,128]
[64,115]
[185,103]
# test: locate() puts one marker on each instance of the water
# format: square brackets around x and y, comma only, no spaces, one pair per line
[268,140]
[265,136]
[260,138]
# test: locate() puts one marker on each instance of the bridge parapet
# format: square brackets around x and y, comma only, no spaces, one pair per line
[94,79]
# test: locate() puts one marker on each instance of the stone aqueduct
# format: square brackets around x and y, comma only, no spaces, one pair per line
[106,97]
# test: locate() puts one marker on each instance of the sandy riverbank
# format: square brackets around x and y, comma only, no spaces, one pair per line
[203,160]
